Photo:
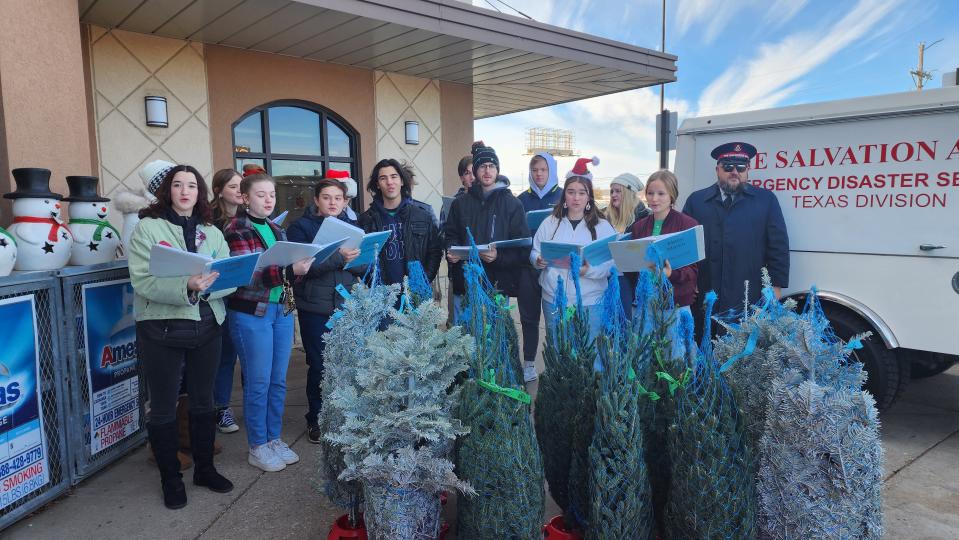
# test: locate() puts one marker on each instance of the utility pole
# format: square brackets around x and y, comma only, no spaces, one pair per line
[664,124]
[920,76]
[662,48]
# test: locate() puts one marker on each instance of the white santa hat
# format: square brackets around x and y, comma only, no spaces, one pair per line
[579,169]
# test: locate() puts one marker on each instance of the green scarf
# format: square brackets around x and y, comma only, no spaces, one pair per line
[101,224]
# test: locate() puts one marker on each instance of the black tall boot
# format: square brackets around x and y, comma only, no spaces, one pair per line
[202,434]
[163,441]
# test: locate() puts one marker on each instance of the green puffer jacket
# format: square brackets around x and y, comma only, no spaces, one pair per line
[167,297]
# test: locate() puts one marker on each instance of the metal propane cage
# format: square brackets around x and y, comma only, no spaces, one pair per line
[51,388]
[85,460]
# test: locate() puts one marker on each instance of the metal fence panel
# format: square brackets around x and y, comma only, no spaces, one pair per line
[85,459]
[51,385]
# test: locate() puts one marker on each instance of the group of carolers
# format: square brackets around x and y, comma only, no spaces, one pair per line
[190,338]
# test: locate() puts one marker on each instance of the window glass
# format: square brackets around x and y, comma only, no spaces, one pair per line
[294,131]
[240,162]
[248,135]
[338,142]
[288,167]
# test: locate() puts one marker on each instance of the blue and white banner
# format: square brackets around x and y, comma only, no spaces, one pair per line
[23,448]
[110,335]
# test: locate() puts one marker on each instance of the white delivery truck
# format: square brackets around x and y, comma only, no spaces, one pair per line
[869,188]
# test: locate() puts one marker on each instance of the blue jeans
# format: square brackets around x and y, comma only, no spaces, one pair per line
[264,345]
[223,384]
[312,328]
[459,302]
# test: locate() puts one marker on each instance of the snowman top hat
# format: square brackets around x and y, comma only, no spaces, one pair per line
[83,189]
[32,182]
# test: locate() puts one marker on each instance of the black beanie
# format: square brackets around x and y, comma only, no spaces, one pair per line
[484,154]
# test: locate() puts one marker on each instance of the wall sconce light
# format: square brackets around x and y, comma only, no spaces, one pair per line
[412,132]
[156,111]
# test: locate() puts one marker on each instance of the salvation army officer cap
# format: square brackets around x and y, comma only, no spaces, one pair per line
[734,152]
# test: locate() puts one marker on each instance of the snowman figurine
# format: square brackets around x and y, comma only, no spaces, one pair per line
[43,241]
[8,252]
[95,240]
[130,202]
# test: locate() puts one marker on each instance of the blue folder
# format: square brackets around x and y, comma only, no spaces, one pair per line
[234,271]
[536,218]
[368,248]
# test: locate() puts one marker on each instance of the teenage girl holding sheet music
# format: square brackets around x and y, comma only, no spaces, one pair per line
[662,190]
[261,324]
[316,294]
[575,219]
[179,328]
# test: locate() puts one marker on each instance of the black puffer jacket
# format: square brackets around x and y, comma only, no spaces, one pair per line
[493,216]
[421,236]
[316,291]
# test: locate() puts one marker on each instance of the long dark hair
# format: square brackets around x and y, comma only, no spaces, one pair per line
[158,209]
[373,185]
[591,216]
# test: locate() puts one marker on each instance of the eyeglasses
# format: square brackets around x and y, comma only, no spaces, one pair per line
[728,167]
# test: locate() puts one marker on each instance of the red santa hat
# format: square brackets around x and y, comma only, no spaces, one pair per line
[344,177]
[579,169]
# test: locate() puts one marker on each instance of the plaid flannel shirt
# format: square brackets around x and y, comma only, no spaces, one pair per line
[243,239]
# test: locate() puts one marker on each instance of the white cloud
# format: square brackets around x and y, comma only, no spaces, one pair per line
[716,15]
[777,71]
[618,128]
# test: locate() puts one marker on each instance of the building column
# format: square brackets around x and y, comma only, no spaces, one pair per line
[44,113]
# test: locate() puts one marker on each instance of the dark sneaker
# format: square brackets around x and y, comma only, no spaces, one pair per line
[225,422]
[314,434]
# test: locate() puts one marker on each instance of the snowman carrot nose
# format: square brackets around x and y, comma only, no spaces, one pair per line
[103,208]
[57,206]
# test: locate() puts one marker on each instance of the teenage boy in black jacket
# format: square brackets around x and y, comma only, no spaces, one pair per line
[491,213]
[415,234]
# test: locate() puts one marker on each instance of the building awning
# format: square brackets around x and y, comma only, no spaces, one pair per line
[513,64]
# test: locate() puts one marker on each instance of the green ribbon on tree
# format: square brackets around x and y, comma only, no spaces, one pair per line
[502,302]
[631,375]
[511,393]
[101,224]
[673,383]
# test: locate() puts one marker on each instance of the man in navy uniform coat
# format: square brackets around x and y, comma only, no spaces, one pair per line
[744,232]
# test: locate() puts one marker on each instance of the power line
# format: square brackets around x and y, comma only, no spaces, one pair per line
[492,5]
[516,10]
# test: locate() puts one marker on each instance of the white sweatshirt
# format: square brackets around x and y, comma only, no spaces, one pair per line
[593,284]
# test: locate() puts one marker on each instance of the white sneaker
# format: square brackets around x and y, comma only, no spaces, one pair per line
[282,451]
[263,457]
[529,372]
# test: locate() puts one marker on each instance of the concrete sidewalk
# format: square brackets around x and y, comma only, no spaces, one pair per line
[921,490]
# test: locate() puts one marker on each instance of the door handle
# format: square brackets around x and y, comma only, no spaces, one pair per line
[930,247]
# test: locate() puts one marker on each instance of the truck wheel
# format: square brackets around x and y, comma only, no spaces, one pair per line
[927,364]
[888,376]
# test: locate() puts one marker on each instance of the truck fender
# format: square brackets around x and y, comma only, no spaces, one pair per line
[857,307]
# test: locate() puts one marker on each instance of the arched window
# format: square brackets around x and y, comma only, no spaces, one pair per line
[297,142]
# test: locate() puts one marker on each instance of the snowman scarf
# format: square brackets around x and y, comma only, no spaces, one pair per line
[54,225]
[101,224]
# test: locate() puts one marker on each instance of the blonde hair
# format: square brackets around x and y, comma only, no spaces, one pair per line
[669,180]
[622,217]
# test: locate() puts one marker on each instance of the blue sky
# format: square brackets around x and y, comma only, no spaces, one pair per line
[734,55]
